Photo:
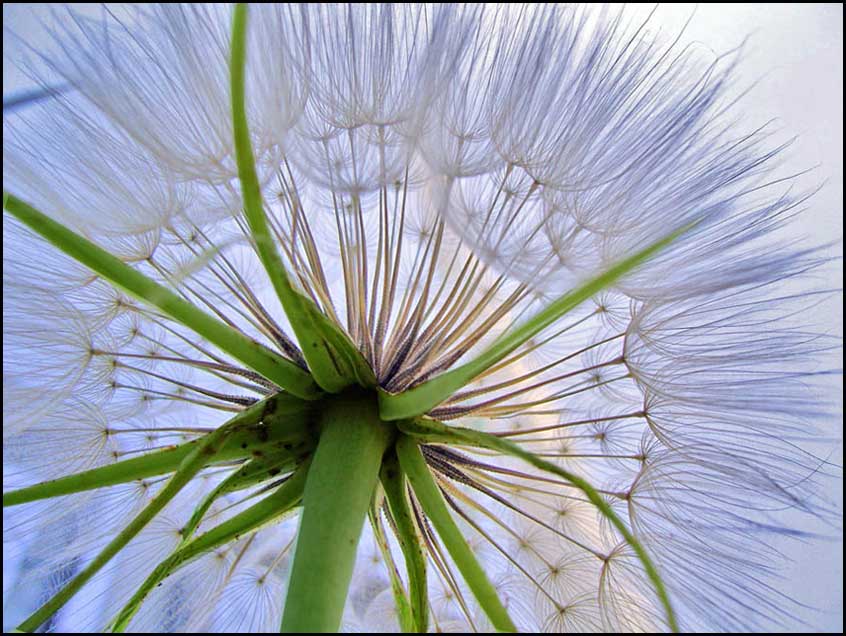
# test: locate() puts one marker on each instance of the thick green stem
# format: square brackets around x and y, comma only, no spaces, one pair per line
[338,492]
[283,500]
[260,359]
[432,502]
[424,397]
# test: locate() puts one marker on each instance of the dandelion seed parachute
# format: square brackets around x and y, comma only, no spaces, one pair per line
[432,175]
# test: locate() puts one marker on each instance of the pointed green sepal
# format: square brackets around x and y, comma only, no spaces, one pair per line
[394,483]
[276,505]
[270,426]
[429,430]
[423,398]
[260,359]
[333,360]
[433,505]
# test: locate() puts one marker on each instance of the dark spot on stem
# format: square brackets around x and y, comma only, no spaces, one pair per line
[269,408]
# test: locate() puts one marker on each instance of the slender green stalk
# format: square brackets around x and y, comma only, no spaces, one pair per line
[188,468]
[424,397]
[432,502]
[281,502]
[271,425]
[393,481]
[260,359]
[338,492]
[253,472]
[149,465]
[400,597]
[433,431]
[333,360]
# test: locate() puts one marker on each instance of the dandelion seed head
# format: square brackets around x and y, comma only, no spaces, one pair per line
[432,176]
